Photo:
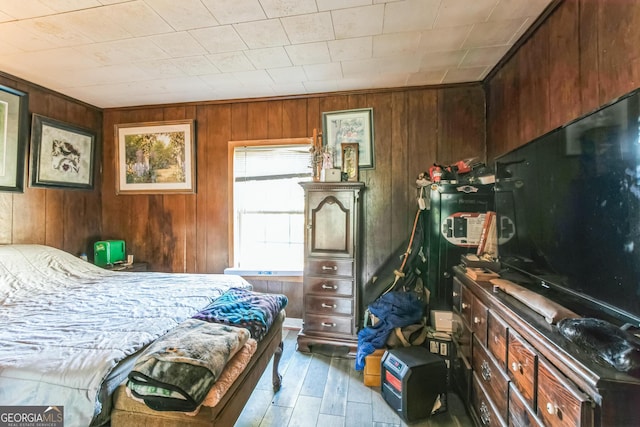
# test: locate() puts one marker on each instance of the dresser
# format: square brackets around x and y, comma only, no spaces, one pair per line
[512,368]
[331,265]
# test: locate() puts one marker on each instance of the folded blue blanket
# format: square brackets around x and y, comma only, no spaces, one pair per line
[254,311]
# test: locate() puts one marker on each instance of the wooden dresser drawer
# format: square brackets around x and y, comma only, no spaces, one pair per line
[520,413]
[457,294]
[484,407]
[560,403]
[328,286]
[479,320]
[494,379]
[328,324]
[329,267]
[466,302]
[497,338]
[463,337]
[522,363]
[315,304]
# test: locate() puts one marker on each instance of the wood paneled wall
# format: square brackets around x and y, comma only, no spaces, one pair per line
[188,233]
[583,56]
[66,219]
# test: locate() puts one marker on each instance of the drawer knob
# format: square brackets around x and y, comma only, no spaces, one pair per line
[477,320]
[323,305]
[465,305]
[328,325]
[325,286]
[485,370]
[329,268]
[517,367]
[496,339]
[455,294]
[553,409]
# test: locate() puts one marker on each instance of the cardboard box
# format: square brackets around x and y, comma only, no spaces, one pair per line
[372,364]
[442,321]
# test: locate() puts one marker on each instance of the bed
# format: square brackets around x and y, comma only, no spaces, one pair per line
[71,333]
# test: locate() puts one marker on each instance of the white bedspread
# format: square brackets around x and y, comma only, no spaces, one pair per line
[65,323]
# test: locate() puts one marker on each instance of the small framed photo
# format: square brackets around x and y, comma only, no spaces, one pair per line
[14,134]
[350,126]
[62,155]
[156,157]
[350,160]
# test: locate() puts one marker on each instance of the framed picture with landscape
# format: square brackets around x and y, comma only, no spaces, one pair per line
[62,154]
[156,157]
[349,127]
[14,134]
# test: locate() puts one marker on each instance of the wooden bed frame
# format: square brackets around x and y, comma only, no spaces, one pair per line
[130,413]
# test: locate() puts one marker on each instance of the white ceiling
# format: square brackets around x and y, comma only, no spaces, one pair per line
[114,53]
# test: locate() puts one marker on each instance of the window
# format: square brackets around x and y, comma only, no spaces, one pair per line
[268,204]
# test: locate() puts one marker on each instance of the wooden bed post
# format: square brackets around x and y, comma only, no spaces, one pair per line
[276,377]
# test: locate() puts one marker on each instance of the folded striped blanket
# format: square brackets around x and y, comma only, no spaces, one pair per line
[254,311]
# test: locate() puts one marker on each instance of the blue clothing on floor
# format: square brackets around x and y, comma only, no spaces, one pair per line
[393,310]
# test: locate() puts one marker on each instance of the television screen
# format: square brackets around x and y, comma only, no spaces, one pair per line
[568,206]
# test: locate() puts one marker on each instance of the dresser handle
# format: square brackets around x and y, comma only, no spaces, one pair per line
[465,305]
[329,268]
[328,325]
[553,409]
[485,416]
[477,320]
[485,371]
[517,367]
[328,305]
[456,294]
[325,286]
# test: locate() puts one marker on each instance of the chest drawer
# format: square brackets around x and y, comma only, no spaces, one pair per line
[479,320]
[520,413]
[466,301]
[327,324]
[560,403]
[484,407]
[328,286]
[522,365]
[457,294]
[328,305]
[329,267]
[497,338]
[494,379]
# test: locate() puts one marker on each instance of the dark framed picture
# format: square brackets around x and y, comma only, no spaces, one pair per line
[349,126]
[156,157]
[14,128]
[62,155]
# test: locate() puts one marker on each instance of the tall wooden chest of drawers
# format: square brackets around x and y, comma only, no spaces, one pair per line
[331,265]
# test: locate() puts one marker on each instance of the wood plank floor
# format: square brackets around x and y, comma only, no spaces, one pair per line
[323,391]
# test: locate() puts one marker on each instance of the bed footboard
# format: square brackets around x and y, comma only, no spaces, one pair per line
[129,413]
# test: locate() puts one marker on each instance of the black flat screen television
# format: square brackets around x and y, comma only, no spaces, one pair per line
[568,207]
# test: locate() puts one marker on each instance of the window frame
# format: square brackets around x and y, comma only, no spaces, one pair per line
[230,181]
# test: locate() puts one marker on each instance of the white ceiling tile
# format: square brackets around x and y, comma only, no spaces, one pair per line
[309,53]
[493,33]
[7,49]
[15,35]
[54,30]
[235,11]
[244,92]
[84,21]
[484,56]
[332,71]
[219,39]
[183,14]
[63,59]
[287,75]
[320,86]
[218,81]
[399,64]
[137,18]
[527,23]
[122,73]
[290,88]
[179,44]
[340,4]
[122,51]
[4,17]
[511,9]
[453,13]
[443,39]
[258,34]
[358,21]
[229,62]
[24,9]
[395,44]
[441,60]
[270,57]
[159,68]
[255,77]
[71,5]
[309,28]
[279,8]
[424,78]
[196,65]
[351,49]
[389,80]
[410,15]
[460,75]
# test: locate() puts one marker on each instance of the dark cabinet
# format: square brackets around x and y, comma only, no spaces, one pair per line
[331,265]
